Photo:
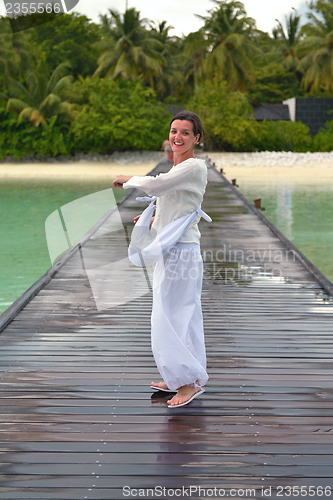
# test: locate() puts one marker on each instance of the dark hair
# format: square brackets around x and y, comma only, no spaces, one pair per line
[193,118]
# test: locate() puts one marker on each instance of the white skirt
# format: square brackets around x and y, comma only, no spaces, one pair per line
[177,327]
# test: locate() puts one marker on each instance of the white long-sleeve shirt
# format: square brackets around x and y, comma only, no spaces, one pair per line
[179,192]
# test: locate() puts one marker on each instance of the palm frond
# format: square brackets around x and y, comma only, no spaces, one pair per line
[50,105]
[60,71]
[18,90]
[16,105]
[63,84]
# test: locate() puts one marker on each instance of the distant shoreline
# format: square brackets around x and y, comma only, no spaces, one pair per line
[273,159]
[115,157]
[75,171]
[292,167]
[272,167]
[81,167]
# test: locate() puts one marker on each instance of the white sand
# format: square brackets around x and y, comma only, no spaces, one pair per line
[276,167]
[269,166]
[131,163]
[83,171]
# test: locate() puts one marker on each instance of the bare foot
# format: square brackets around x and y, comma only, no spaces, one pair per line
[183,395]
[160,385]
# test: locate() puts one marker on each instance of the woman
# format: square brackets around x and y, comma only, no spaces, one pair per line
[166,146]
[177,327]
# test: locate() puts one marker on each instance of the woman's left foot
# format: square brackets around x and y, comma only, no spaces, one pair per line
[160,386]
[184,396]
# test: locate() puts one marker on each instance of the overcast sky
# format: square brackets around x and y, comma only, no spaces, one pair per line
[181,13]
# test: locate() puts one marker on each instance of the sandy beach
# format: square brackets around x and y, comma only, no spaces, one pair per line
[89,171]
[131,163]
[272,166]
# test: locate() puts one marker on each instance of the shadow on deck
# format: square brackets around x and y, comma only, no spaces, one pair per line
[78,419]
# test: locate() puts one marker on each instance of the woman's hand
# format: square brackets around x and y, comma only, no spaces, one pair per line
[120,180]
[138,217]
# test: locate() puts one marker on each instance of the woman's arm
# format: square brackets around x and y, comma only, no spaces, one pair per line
[176,179]
[120,180]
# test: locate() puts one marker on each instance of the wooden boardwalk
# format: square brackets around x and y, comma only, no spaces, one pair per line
[78,419]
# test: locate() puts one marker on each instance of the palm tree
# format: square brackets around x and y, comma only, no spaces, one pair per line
[41,97]
[287,43]
[231,46]
[194,52]
[170,83]
[129,50]
[14,50]
[317,48]
[160,31]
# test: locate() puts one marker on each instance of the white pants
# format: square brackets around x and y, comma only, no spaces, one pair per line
[177,327]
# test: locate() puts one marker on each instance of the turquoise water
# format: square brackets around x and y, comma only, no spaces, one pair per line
[303,213]
[24,208]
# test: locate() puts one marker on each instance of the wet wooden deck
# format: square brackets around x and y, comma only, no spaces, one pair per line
[78,419]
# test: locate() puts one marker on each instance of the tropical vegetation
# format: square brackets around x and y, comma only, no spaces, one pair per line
[73,85]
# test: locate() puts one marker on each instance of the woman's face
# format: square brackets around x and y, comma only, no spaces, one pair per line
[182,138]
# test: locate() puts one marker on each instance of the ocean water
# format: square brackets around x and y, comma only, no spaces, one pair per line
[24,208]
[303,212]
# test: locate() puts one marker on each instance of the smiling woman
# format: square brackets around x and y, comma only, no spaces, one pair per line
[184,134]
[177,324]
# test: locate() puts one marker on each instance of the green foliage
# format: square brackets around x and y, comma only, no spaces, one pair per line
[171,82]
[21,139]
[226,117]
[118,116]
[229,125]
[70,37]
[230,47]
[10,133]
[323,140]
[287,43]
[317,48]
[216,70]
[111,116]
[41,95]
[283,136]
[129,49]
[53,140]
[15,52]
[274,84]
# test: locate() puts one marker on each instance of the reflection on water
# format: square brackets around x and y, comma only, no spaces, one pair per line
[302,212]
[284,210]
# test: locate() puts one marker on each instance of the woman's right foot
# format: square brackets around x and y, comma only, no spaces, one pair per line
[185,395]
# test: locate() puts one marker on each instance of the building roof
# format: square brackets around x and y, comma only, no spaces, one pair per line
[271,112]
